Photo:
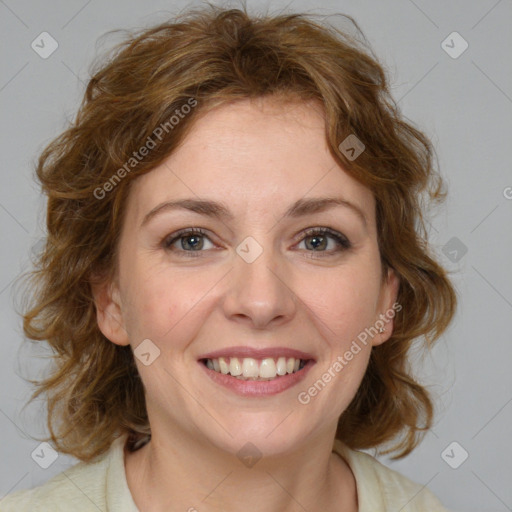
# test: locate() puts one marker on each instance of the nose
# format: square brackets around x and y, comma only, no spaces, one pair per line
[259,293]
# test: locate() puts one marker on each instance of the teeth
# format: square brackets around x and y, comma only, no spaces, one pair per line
[235,368]
[248,368]
[281,366]
[268,369]
[224,367]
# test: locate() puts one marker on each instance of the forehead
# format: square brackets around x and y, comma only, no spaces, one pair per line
[257,155]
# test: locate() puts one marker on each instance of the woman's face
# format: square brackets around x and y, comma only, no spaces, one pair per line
[252,283]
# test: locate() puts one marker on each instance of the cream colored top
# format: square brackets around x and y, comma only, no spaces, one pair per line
[102,486]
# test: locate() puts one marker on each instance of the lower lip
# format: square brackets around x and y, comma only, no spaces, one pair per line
[258,387]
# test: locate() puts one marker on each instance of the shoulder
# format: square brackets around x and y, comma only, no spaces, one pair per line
[80,488]
[382,488]
[76,487]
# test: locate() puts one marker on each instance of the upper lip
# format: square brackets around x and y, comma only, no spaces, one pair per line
[257,353]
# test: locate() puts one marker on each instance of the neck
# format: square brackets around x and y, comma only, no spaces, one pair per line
[178,473]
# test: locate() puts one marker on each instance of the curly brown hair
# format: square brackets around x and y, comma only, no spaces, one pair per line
[214,56]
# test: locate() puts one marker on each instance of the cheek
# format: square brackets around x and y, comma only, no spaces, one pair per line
[160,304]
[342,308]
[345,302]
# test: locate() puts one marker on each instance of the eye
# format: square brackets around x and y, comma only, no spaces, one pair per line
[319,241]
[190,242]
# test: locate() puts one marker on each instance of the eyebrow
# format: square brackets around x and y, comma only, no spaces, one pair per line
[220,211]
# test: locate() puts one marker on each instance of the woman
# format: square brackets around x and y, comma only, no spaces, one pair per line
[235,270]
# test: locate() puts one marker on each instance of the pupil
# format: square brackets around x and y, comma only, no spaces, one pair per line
[317,238]
[197,244]
[197,238]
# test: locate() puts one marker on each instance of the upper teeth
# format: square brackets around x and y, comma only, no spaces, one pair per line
[249,368]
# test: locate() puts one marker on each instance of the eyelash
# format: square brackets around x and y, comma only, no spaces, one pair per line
[343,242]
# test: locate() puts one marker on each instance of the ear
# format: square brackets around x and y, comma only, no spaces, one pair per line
[388,307]
[109,312]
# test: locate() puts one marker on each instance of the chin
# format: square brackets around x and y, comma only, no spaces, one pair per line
[270,436]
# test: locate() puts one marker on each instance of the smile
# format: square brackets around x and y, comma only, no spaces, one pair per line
[251,372]
[249,368]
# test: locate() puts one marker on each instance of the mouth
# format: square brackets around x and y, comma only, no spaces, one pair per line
[250,372]
[249,368]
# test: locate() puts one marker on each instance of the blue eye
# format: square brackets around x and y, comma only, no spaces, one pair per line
[191,238]
[319,241]
[190,242]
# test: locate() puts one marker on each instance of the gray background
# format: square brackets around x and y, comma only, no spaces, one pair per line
[464,104]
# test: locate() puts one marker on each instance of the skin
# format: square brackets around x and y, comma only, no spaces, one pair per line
[257,157]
